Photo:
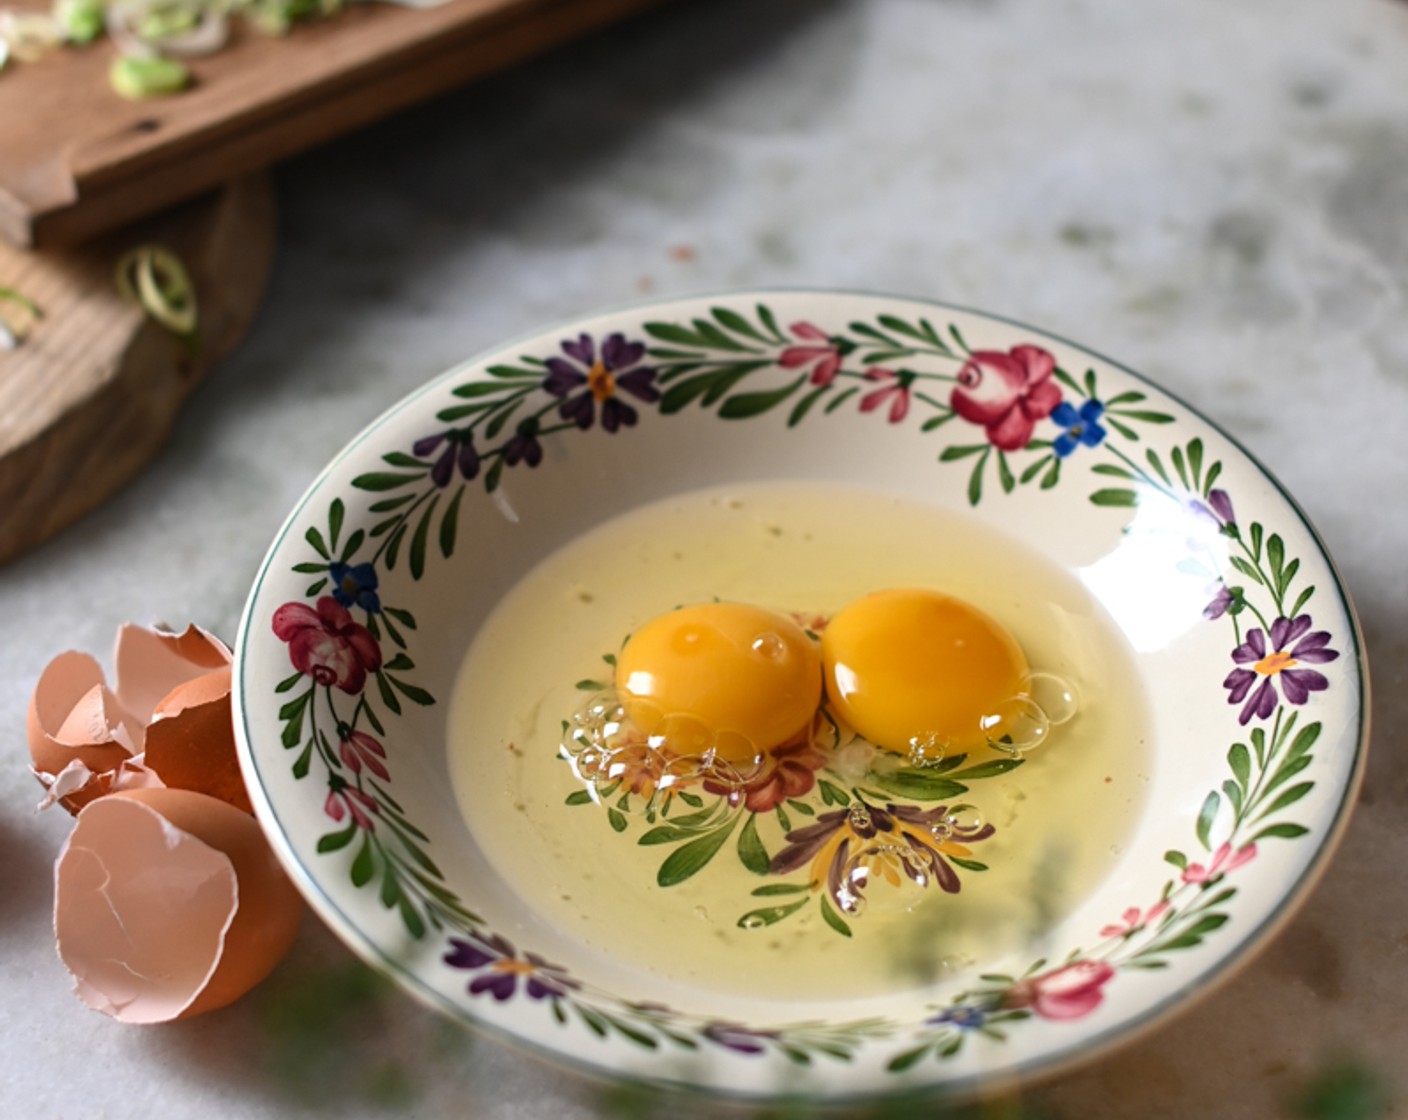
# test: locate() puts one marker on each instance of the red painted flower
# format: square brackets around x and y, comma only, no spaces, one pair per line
[343,800]
[1007,393]
[1070,992]
[895,390]
[817,348]
[1223,861]
[327,645]
[358,749]
[789,772]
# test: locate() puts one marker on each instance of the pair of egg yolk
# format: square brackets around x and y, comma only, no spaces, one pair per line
[898,666]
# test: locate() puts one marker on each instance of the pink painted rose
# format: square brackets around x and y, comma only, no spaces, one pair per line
[817,350]
[790,772]
[1134,919]
[1007,393]
[327,645]
[1070,992]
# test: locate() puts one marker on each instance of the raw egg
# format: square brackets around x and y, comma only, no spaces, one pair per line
[916,670]
[750,676]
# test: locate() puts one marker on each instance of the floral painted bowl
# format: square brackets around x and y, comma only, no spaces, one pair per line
[1234,620]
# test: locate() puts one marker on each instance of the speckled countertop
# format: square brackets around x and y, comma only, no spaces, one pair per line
[1215,194]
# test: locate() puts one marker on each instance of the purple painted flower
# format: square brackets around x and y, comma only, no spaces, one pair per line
[1291,645]
[1081,424]
[1221,602]
[846,846]
[500,968]
[964,1018]
[742,1040]
[524,446]
[604,375]
[460,452]
[354,585]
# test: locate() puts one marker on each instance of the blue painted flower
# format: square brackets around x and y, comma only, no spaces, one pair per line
[1081,426]
[354,585]
[500,967]
[602,377]
[964,1018]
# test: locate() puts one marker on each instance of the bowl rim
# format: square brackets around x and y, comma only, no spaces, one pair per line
[1094,1047]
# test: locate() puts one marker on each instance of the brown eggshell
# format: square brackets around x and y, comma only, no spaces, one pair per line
[149,663]
[190,742]
[73,717]
[168,904]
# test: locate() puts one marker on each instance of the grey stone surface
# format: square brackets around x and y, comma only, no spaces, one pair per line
[1214,194]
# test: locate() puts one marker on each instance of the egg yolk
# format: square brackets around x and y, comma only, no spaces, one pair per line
[906,664]
[751,676]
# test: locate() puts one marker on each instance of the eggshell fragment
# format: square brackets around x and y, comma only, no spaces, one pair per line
[168,904]
[74,718]
[190,742]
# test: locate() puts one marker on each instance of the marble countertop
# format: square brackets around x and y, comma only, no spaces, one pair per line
[1214,194]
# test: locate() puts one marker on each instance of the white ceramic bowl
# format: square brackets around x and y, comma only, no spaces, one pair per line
[1236,624]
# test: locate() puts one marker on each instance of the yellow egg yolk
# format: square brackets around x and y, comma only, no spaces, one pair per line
[906,664]
[750,676]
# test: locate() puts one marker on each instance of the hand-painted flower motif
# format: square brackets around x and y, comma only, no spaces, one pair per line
[354,585]
[847,846]
[1290,645]
[1133,920]
[1225,859]
[966,1017]
[500,968]
[605,375]
[1007,393]
[789,772]
[327,645]
[358,749]
[896,391]
[460,452]
[1222,601]
[817,350]
[741,1039]
[1070,992]
[345,800]
[524,446]
[1082,425]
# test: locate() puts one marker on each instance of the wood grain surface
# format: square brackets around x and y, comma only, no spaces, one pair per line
[91,393]
[76,159]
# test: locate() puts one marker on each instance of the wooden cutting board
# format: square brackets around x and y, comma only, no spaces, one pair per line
[76,159]
[92,390]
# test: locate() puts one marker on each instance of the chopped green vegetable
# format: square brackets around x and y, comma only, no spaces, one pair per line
[82,21]
[138,78]
[155,279]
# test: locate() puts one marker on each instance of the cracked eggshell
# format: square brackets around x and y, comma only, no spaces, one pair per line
[190,743]
[168,904]
[74,718]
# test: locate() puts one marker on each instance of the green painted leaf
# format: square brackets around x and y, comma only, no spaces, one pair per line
[388,697]
[293,709]
[335,841]
[1304,741]
[288,682]
[405,618]
[910,1058]
[411,918]
[1004,474]
[841,398]
[804,405]
[1114,470]
[1206,817]
[833,919]
[617,820]
[743,406]
[354,542]
[1288,770]
[736,323]
[779,888]
[413,693]
[1240,760]
[832,794]
[1281,832]
[390,887]
[304,762]
[315,538]
[975,480]
[1119,498]
[993,769]
[1289,797]
[1146,417]
[918,785]
[949,454]
[479,388]
[751,852]
[968,864]
[688,859]
[1178,464]
[1178,859]
[768,915]
[364,866]
[418,541]
[384,480]
[579,797]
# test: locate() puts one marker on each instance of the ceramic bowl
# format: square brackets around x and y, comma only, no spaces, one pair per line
[1231,617]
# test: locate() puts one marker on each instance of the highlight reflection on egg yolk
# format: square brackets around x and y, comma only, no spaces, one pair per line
[750,675]
[907,664]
